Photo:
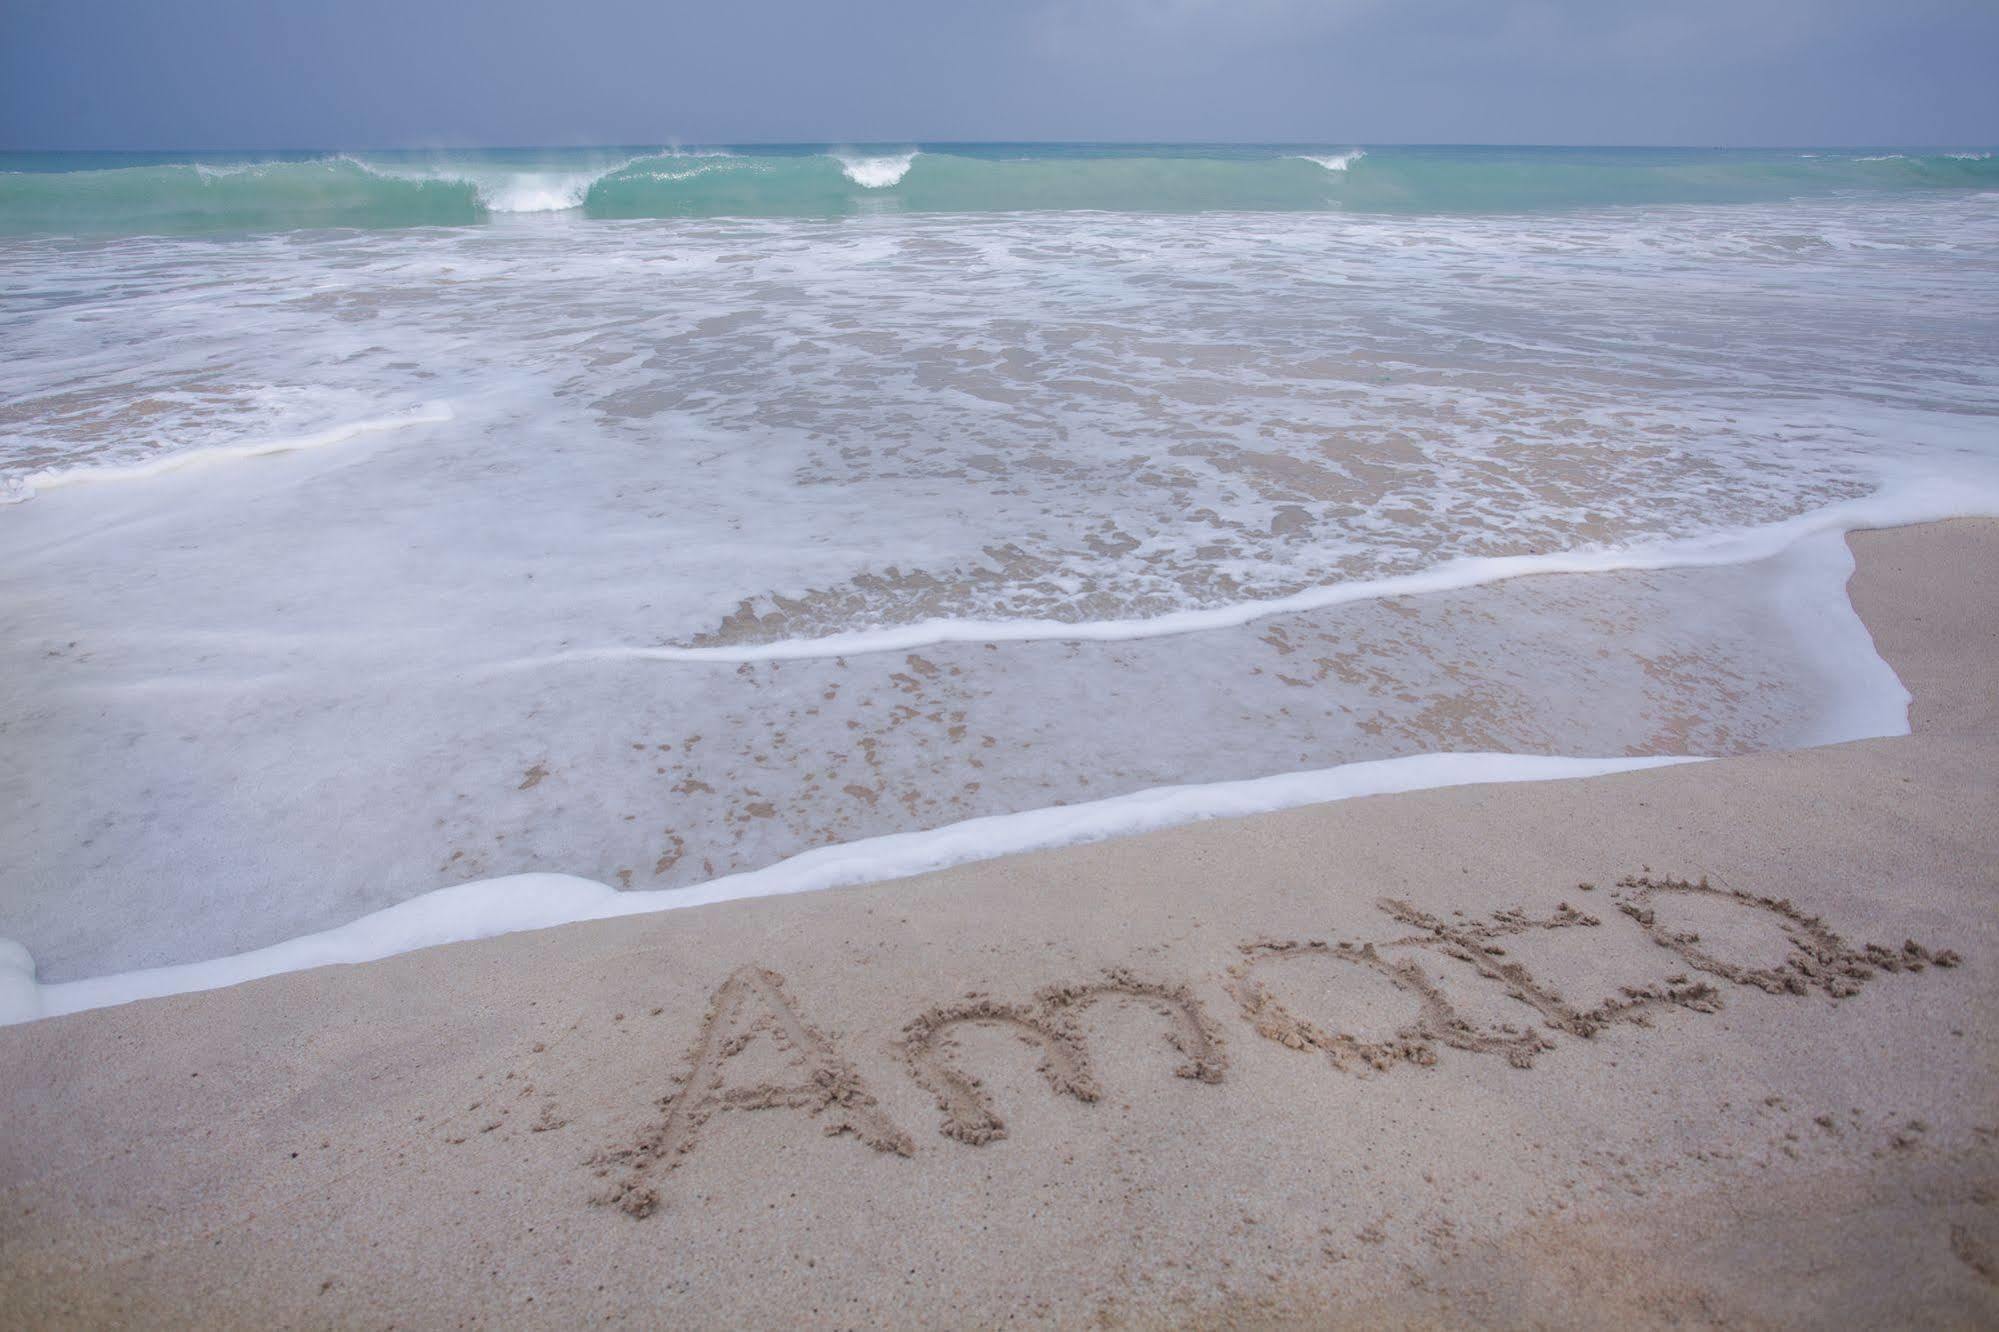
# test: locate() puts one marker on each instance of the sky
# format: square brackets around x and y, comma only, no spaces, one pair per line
[426,73]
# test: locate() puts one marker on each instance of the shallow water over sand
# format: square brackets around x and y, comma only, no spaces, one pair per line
[344,558]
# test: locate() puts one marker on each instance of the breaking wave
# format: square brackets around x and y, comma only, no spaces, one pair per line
[77,193]
[876,173]
[1336,161]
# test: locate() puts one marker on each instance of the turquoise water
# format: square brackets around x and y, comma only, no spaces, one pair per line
[155,193]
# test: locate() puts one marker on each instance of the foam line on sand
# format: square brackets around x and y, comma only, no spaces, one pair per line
[1903,502]
[24,488]
[489,907]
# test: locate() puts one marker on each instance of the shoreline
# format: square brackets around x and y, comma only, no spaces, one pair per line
[1531,1102]
[1907,504]
[492,906]
[262,699]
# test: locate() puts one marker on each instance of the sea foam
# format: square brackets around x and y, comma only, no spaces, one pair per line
[19,488]
[504,905]
[1913,500]
[876,173]
[582,625]
[1868,701]
[1338,161]
[502,187]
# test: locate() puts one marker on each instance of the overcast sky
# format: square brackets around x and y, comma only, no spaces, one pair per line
[369,73]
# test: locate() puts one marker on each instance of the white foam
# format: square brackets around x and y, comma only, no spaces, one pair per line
[501,188]
[702,169]
[223,170]
[505,905]
[1926,499]
[536,191]
[14,490]
[626,469]
[1857,694]
[1337,161]
[514,191]
[20,996]
[875,173]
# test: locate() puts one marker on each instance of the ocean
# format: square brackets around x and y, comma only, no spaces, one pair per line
[221,191]
[384,525]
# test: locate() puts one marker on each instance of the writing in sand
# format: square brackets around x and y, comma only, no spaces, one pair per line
[1800,955]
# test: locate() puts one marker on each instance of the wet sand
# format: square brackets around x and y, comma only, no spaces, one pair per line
[1708,1044]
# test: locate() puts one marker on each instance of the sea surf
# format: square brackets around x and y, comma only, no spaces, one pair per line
[394,524]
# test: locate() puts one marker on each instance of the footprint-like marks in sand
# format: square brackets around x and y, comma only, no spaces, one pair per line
[749,1004]
[1049,1023]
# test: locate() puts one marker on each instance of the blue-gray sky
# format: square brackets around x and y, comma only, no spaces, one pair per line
[366,73]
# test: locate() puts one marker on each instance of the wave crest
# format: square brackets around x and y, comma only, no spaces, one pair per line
[381,189]
[505,189]
[1337,161]
[875,173]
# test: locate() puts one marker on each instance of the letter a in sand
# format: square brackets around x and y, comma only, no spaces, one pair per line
[749,1004]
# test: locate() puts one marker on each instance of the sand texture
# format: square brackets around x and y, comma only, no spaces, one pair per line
[1703,1045]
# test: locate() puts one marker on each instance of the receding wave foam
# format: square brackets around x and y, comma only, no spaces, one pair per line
[491,907]
[505,905]
[16,489]
[876,173]
[1877,705]
[1917,500]
[729,436]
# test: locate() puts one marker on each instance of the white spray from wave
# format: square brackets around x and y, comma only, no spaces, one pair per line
[1337,161]
[875,173]
[505,189]
[535,192]
[689,173]
[224,170]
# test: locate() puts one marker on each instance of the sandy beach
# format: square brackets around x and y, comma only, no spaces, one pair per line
[1702,1045]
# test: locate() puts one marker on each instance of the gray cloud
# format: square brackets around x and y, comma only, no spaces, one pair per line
[305,73]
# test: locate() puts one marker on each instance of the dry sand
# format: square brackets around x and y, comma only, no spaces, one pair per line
[1481,1054]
